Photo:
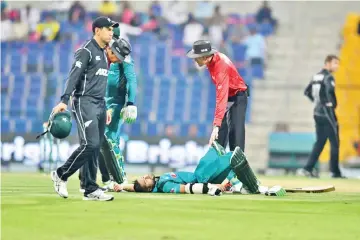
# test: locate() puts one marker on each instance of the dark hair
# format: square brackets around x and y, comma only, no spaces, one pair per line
[331,57]
[138,187]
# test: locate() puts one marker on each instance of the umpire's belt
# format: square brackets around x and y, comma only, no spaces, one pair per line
[238,94]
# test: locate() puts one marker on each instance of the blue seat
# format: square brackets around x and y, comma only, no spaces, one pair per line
[15,62]
[152,129]
[3,60]
[64,62]
[238,51]
[5,125]
[34,47]
[176,65]
[184,129]
[3,100]
[203,130]
[48,63]
[18,91]
[135,129]
[289,150]
[20,125]
[16,45]
[33,61]
[36,126]
[31,112]
[32,101]
[4,83]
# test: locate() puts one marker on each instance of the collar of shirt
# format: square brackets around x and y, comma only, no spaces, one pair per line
[97,45]
[214,60]
[326,71]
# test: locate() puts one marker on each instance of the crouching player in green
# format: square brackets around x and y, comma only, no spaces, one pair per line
[216,172]
[120,99]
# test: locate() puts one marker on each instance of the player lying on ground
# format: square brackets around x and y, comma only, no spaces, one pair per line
[120,99]
[216,172]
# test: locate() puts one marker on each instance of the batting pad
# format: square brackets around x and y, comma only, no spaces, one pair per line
[111,162]
[243,171]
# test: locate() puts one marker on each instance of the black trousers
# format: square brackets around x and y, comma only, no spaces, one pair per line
[232,128]
[105,176]
[90,116]
[326,128]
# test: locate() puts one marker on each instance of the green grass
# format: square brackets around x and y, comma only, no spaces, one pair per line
[31,210]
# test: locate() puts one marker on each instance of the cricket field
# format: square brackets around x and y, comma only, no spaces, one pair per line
[30,209]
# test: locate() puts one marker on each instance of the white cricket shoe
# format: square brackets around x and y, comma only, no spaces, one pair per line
[59,185]
[98,195]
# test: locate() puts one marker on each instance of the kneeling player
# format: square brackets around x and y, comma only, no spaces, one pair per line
[216,172]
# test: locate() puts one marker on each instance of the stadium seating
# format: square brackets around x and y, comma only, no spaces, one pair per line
[289,151]
[170,90]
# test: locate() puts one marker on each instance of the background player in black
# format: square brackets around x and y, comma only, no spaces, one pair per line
[87,85]
[321,91]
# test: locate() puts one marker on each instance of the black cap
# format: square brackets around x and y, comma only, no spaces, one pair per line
[101,22]
[201,48]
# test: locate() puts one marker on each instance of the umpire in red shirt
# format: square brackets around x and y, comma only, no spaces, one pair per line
[231,95]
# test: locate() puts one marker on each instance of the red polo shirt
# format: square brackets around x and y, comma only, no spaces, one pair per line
[228,83]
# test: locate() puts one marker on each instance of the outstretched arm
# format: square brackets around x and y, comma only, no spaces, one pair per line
[131,85]
[125,187]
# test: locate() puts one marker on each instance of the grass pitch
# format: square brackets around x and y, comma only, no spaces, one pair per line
[30,209]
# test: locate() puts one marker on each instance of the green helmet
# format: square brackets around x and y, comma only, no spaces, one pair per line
[116,31]
[59,125]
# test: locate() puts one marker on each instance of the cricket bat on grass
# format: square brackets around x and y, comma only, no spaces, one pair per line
[318,189]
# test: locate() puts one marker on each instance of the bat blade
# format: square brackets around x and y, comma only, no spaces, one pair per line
[316,189]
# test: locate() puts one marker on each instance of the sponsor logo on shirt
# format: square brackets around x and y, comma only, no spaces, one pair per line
[102,72]
[97,58]
[78,64]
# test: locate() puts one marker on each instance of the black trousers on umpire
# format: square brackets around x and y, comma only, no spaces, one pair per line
[232,128]
[326,128]
[90,116]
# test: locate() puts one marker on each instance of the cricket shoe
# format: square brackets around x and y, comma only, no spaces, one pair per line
[98,195]
[306,173]
[59,185]
[82,190]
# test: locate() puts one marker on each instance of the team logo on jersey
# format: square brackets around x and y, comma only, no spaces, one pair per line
[173,175]
[97,58]
[172,190]
[78,64]
[102,72]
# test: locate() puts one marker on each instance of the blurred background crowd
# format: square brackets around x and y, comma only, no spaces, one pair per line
[276,47]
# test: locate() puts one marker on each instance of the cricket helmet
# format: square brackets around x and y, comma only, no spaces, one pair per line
[59,125]
[120,47]
[116,32]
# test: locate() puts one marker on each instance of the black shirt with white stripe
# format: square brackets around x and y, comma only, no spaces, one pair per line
[88,74]
[321,91]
